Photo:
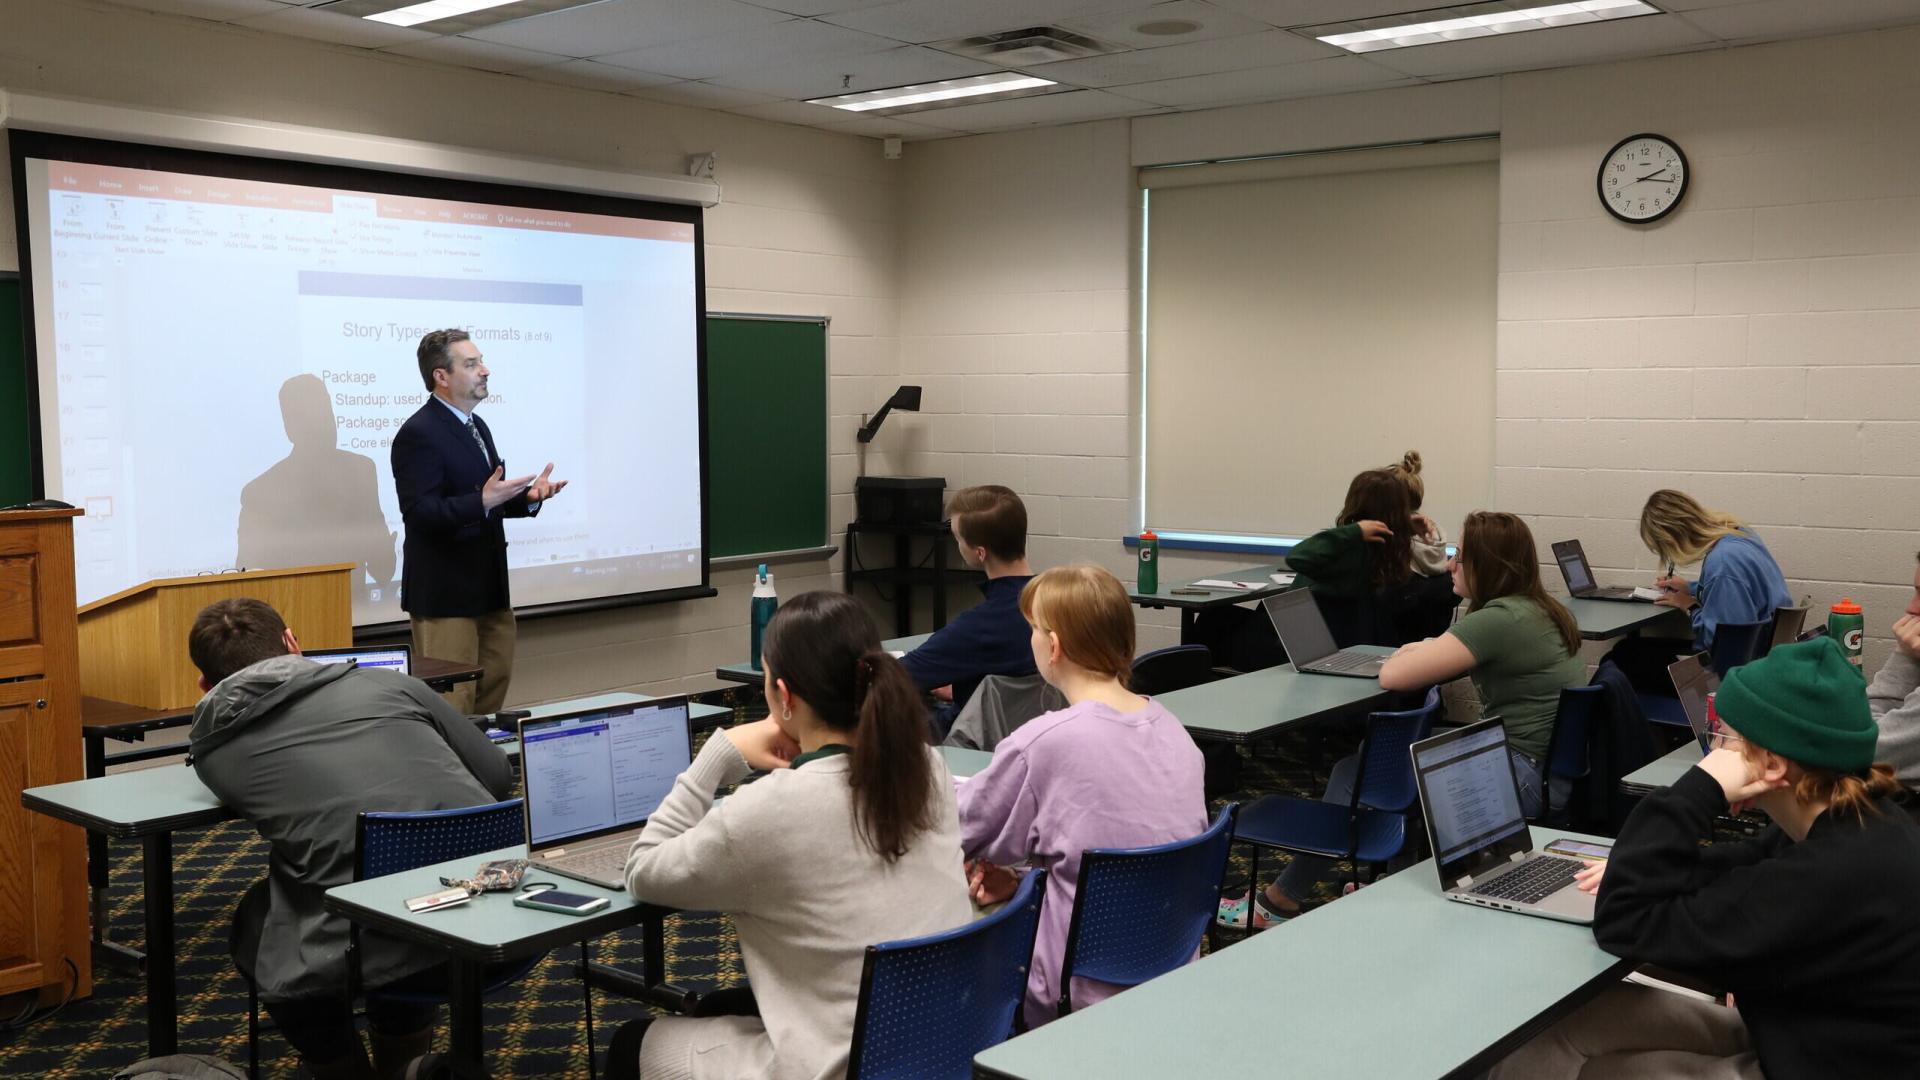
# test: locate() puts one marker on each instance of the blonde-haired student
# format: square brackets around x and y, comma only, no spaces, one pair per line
[1810,927]
[1429,543]
[1112,769]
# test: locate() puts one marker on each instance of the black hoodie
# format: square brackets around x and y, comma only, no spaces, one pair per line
[299,749]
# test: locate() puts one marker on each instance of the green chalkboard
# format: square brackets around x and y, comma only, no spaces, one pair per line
[16,460]
[766,428]
[766,434]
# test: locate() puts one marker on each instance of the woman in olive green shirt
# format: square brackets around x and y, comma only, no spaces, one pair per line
[1520,646]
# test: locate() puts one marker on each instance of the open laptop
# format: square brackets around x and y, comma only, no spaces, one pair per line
[1309,644]
[1479,837]
[391,657]
[1580,581]
[1693,680]
[1787,624]
[593,778]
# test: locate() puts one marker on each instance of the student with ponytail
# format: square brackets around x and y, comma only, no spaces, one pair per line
[1810,927]
[851,838]
[1112,769]
[1429,544]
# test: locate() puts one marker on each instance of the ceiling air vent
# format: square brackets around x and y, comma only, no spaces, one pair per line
[1025,48]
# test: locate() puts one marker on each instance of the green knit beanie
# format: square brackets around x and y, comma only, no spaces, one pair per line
[1805,702]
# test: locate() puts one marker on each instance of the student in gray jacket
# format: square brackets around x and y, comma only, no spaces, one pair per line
[299,748]
[851,838]
[1895,696]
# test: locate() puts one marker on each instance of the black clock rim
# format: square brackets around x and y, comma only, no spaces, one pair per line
[1686,178]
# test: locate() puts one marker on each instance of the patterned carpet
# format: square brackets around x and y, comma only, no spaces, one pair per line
[534,1029]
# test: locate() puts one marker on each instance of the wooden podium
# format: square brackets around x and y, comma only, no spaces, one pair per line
[43,862]
[135,641]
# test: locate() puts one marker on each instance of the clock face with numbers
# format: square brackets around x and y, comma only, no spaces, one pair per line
[1642,178]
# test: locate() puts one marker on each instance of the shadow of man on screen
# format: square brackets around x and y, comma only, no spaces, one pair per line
[319,504]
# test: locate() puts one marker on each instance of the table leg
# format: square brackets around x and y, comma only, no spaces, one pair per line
[97,866]
[465,1033]
[1186,625]
[902,586]
[157,871]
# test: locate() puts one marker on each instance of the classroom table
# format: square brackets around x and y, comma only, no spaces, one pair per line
[744,672]
[1391,983]
[1600,620]
[1189,606]
[1662,771]
[1249,707]
[150,805]
[490,929]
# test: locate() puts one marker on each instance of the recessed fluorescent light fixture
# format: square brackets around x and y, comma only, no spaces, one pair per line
[447,16]
[934,95]
[435,10]
[1438,25]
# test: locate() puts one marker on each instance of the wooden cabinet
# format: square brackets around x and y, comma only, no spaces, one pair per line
[43,887]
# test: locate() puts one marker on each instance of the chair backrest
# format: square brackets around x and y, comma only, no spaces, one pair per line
[1386,764]
[1569,751]
[1736,643]
[389,841]
[928,1005]
[1787,623]
[1140,912]
[1175,667]
[999,705]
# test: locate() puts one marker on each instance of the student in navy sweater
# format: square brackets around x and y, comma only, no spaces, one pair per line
[1810,928]
[989,523]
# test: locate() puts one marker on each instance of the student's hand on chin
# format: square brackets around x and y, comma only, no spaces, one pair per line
[1737,782]
[1588,880]
[1906,635]
[763,744]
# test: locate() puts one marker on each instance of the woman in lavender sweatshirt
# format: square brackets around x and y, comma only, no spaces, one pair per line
[1112,769]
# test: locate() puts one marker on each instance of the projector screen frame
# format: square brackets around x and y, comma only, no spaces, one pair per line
[24,142]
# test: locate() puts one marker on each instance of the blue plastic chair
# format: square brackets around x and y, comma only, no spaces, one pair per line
[1175,667]
[1570,749]
[1139,913]
[1737,643]
[928,1005]
[1369,828]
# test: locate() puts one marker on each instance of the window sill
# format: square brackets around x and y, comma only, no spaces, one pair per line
[1273,546]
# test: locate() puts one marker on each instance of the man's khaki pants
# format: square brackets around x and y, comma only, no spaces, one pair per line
[486,640]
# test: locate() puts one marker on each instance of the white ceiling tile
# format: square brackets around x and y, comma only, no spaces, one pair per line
[1311,12]
[1792,18]
[589,75]
[871,71]
[791,112]
[816,7]
[1267,84]
[752,49]
[1117,27]
[921,21]
[1070,107]
[703,95]
[339,29]
[1533,49]
[1269,48]
[471,53]
[217,10]
[621,25]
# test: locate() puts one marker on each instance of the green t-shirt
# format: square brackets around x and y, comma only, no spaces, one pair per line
[1520,667]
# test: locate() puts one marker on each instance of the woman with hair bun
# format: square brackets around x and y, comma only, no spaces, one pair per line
[851,838]
[1429,544]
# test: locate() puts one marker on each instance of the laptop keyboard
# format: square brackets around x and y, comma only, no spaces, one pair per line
[1537,880]
[608,863]
[1346,661]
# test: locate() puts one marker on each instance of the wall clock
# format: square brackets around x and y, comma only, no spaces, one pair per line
[1642,178]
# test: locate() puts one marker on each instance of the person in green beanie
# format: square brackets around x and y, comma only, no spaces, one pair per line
[1809,928]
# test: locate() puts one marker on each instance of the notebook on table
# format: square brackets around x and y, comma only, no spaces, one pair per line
[1478,835]
[592,779]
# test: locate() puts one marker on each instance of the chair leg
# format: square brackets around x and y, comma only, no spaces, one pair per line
[253,1031]
[586,991]
[1253,887]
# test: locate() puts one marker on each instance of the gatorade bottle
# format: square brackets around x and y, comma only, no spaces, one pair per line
[765,602]
[1149,563]
[1846,625]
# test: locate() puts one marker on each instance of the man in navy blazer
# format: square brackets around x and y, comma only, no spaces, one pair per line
[454,495]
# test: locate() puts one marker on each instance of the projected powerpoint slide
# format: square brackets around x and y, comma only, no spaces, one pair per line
[229,361]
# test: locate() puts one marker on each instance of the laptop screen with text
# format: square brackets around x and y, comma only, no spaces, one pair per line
[601,771]
[394,658]
[1471,798]
[1573,567]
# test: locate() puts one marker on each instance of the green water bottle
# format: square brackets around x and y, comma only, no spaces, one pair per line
[1149,578]
[765,602]
[1846,625]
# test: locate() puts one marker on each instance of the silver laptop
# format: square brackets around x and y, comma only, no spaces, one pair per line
[1693,680]
[1579,576]
[593,778]
[1479,837]
[1309,644]
[388,657]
